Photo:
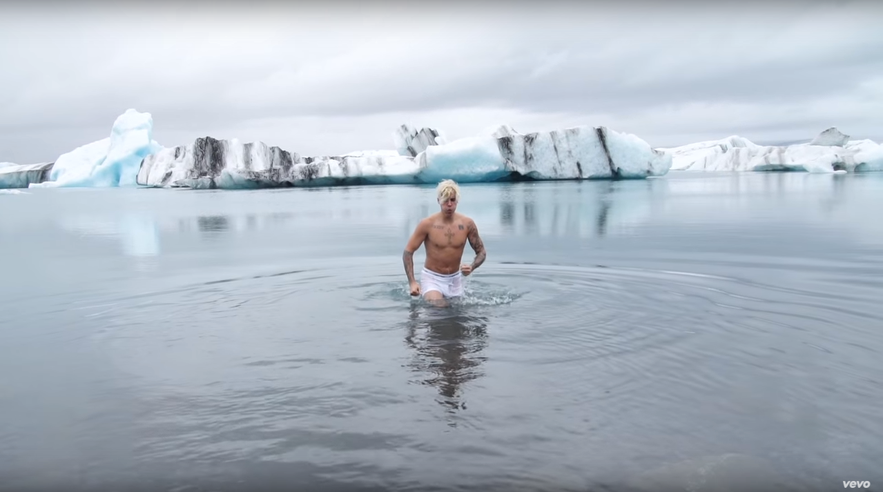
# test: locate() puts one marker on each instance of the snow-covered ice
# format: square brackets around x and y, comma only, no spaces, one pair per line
[827,153]
[231,164]
[575,153]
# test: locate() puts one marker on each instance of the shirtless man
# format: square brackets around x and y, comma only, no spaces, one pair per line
[444,234]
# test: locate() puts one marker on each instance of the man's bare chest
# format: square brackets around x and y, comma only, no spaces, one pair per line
[448,235]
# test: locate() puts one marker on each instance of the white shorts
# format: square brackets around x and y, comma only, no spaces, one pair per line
[450,285]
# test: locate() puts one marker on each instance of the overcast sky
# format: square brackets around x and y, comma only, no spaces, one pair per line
[334,79]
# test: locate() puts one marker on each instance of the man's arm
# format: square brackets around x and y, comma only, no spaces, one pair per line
[417,238]
[477,245]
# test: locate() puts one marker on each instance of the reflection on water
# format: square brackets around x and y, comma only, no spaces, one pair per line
[249,222]
[214,223]
[448,345]
[530,211]
[604,210]
[507,214]
[534,209]
[719,315]
[138,234]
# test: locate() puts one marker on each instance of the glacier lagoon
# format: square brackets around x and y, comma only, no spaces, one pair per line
[697,328]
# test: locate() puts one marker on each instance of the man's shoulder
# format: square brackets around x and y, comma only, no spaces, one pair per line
[465,219]
[429,220]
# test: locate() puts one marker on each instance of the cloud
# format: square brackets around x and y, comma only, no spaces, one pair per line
[306,76]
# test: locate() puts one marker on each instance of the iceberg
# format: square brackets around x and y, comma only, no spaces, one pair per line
[420,157]
[232,164]
[578,153]
[22,176]
[110,162]
[829,152]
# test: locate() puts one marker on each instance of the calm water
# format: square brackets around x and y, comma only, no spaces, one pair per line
[710,328]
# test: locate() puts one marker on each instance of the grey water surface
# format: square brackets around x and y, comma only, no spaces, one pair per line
[690,332]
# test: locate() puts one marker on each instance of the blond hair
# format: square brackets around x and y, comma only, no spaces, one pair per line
[447,189]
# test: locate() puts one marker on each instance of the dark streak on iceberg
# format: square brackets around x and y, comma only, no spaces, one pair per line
[505,144]
[208,159]
[529,139]
[603,139]
[309,172]
[554,135]
[167,177]
[246,156]
[571,136]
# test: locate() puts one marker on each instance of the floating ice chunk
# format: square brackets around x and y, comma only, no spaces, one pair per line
[22,176]
[739,154]
[802,157]
[468,160]
[580,153]
[212,163]
[113,161]
[576,153]
[728,154]
[831,137]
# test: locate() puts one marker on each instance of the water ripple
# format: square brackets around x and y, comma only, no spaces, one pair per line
[334,366]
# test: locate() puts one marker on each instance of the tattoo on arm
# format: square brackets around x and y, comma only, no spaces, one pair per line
[477,245]
[408,260]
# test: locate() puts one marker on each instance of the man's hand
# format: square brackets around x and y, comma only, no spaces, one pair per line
[418,238]
[465,269]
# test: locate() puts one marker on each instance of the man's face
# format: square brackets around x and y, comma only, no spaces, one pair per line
[449,206]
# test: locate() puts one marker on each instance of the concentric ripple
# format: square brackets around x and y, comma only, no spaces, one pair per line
[337,366]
